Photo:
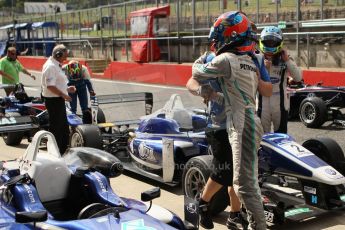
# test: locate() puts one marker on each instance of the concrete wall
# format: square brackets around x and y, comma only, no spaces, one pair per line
[176,74]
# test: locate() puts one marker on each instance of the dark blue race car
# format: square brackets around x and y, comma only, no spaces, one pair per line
[316,104]
[20,104]
[43,190]
[170,146]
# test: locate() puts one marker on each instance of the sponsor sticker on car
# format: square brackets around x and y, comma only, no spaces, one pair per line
[7,120]
[296,211]
[310,190]
[269,216]
[135,225]
[146,152]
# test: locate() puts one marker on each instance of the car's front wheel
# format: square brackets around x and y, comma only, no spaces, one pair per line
[195,175]
[328,150]
[313,112]
[13,138]
[87,116]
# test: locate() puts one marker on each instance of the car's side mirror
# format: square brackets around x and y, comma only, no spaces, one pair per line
[27,217]
[151,194]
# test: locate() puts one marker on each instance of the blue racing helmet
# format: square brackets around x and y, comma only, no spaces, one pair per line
[271,40]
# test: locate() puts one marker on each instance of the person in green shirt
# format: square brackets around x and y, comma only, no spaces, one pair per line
[10,68]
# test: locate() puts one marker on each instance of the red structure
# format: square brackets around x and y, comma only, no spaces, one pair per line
[173,74]
[145,24]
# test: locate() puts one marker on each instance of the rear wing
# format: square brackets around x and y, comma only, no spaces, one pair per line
[128,97]
[17,124]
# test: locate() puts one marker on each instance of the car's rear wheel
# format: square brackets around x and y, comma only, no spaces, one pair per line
[86,136]
[87,116]
[100,116]
[313,112]
[194,178]
[13,138]
[328,150]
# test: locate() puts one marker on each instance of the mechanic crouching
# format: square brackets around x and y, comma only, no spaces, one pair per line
[79,76]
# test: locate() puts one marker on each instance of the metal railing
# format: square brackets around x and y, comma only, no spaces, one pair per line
[197,14]
[309,49]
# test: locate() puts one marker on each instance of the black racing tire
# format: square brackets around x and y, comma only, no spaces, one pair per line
[100,116]
[195,175]
[86,136]
[13,138]
[313,112]
[328,150]
[87,116]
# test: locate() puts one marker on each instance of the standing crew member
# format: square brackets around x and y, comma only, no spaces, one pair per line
[280,65]
[10,68]
[55,92]
[239,78]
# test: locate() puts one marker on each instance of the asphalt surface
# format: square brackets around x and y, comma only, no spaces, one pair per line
[130,185]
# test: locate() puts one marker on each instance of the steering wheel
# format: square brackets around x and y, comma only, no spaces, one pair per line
[98,209]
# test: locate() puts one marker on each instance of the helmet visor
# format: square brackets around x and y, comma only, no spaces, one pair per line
[271,41]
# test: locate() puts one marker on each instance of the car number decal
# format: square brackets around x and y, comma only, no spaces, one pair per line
[295,149]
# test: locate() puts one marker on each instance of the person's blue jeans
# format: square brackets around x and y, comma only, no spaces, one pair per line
[81,93]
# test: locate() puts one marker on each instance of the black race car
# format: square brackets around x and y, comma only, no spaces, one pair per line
[317,104]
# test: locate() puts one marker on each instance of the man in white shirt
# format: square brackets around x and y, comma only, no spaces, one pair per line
[55,92]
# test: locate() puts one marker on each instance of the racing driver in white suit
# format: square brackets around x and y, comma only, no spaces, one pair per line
[280,66]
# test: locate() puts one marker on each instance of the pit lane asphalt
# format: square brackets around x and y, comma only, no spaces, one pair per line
[131,185]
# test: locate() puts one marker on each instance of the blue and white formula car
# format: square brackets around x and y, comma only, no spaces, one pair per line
[43,190]
[170,146]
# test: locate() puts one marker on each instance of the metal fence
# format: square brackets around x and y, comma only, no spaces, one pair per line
[260,11]
[309,49]
[107,29]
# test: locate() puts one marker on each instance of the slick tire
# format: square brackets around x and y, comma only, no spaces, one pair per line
[87,117]
[194,178]
[328,150]
[87,136]
[100,116]
[313,112]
